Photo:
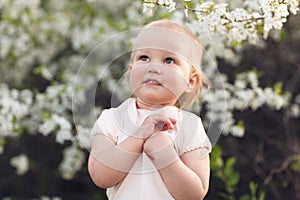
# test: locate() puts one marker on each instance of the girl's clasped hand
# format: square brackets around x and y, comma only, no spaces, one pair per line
[153,124]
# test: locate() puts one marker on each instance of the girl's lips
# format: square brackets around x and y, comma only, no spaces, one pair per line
[152,82]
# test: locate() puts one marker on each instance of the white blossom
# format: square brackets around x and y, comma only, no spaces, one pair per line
[252,78]
[297,99]
[228,123]
[148,8]
[295,111]
[170,5]
[46,73]
[240,84]
[73,159]
[237,131]
[50,198]
[274,100]
[21,163]
[62,135]
[47,127]
[6,45]
[259,98]
[294,6]
[83,137]
[245,96]
[253,5]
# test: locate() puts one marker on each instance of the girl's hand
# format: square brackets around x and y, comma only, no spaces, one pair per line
[154,123]
[156,142]
[159,147]
[162,123]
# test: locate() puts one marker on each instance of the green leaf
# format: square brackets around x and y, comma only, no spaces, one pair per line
[216,151]
[45,115]
[283,35]
[38,70]
[14,120]
[216,159]
[261,195]
[295,166]
[230,162]
[235,44]
[241,123]
[2,142]
[245,197]
[234,179]
[253,188]
[217,164]
[278,88]
[257,73]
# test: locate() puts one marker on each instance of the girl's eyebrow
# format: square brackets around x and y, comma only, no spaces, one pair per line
[165,53]
[142,51]
[172,55]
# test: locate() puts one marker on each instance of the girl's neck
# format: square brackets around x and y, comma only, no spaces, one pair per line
[146,106]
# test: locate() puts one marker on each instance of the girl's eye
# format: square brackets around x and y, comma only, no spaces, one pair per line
[144,58]
[169,60]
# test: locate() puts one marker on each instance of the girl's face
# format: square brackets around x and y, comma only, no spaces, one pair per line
[158,78]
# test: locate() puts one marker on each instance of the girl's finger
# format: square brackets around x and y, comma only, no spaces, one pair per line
[168,125]
[173,120]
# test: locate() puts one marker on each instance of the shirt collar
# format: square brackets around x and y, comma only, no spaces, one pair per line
[129,118]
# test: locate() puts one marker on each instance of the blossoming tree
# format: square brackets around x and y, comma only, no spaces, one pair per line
[43,44]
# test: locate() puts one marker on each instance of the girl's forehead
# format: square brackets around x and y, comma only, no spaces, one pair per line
[155,51]
[169,41]
[162,40]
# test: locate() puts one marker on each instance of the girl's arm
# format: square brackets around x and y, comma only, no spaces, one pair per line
[109,163]
[185,178]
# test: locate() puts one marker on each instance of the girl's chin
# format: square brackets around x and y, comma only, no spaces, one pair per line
[155,102]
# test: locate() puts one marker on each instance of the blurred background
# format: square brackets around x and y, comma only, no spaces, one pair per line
[48,77]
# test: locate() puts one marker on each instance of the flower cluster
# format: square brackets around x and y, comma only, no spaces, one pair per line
[73,159]
[148,5]
[275,13]
[243,94]
[14,108]
[220,17]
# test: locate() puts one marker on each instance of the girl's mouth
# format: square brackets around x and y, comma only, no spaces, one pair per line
[152,82]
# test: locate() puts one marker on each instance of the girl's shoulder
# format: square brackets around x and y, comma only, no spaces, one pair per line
[192,134]
[190,117]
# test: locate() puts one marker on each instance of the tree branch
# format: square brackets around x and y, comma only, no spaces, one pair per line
[281,168]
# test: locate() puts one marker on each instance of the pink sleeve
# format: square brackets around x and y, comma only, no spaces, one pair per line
[192,135]
[105,125]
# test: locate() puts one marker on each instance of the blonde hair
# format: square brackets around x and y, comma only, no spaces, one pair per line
[186,100]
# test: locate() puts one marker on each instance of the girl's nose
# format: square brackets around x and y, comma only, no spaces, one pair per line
[154,69]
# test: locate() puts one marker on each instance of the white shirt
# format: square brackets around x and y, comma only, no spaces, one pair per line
[144,181]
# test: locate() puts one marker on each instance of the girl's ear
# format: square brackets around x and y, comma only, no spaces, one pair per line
[194,78]
[130,67]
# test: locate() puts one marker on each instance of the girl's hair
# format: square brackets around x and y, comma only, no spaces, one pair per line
[187,99]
